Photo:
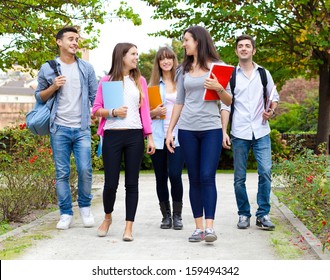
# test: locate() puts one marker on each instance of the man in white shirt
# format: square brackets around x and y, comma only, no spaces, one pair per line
[250,129]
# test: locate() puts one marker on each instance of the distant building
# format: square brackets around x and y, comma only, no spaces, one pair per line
[16,98]
[17,94]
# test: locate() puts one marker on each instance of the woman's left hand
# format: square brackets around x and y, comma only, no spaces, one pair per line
[213,84]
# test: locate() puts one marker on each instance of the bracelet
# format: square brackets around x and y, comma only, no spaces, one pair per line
[220,91]
[113,113]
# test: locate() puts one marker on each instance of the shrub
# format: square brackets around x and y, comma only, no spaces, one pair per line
[297,116]
[27,176]
[305,180]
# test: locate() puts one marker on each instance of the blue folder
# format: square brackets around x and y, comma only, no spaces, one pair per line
[113,94]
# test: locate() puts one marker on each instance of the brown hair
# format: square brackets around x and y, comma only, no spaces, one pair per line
[245,37]
[157,72]
[205,49]
[117,67]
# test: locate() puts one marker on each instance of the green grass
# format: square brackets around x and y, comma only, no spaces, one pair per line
[4,227]
[280,239]
[13,247]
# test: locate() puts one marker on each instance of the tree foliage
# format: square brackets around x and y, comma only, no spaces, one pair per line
[28,27]
[292,36]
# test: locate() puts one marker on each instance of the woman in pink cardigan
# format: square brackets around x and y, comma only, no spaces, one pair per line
[123,130]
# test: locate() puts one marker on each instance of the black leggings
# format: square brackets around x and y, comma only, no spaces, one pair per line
[116,144]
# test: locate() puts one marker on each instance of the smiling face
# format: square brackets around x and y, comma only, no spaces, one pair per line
[166,64]
[189,44]
[68,43]
[130,60]
[245,50]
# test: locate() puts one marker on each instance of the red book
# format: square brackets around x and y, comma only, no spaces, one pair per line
[223,73]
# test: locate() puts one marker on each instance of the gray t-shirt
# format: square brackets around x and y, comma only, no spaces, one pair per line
[196,114]
[69,103]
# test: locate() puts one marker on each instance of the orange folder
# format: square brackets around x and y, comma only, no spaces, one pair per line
[154,98]
[223,74]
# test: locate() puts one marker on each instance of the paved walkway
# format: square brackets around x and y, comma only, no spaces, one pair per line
[151,242]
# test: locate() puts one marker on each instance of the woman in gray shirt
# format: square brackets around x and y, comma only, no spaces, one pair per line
[200,131]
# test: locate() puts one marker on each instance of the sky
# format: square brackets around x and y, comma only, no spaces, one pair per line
[124,31]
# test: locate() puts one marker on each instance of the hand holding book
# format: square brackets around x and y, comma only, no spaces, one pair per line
[159,112]
[222,73]
[268,103]
[213,84]
[155,102]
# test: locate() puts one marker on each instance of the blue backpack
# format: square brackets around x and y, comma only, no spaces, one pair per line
[38,120]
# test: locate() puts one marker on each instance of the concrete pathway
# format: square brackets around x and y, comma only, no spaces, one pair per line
[151,242]
[81,254]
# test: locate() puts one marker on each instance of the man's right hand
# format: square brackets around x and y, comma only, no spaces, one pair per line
[226,141]
[59,81]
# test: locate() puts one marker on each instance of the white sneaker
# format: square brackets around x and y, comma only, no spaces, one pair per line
[87,216]
[64,222]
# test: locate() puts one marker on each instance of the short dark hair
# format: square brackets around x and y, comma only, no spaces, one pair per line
[60,33]
[246,37]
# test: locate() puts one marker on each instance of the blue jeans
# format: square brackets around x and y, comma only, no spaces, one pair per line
[262,152]
[64,141]
[201,151]
[168,166]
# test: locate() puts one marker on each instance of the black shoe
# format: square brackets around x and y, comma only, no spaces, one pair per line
[177,221]
[243,222]
[265,223]
[165,208]
[166,222]
[177,218]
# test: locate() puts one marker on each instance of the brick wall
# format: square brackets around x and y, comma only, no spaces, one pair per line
[11,113]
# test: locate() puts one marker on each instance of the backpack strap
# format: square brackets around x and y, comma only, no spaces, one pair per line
[264,82]
[232,83]
[263,76]
[53,65]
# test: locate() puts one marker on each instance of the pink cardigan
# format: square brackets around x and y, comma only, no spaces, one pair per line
[144,109]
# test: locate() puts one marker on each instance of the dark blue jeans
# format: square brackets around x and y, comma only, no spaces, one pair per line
[168,166]
[201,151]
[262,152]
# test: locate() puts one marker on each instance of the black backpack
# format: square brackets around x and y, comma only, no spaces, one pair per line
[232,82]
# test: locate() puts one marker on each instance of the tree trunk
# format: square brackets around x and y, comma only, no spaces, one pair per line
[324,106]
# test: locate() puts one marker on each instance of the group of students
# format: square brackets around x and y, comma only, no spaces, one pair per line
[184,129]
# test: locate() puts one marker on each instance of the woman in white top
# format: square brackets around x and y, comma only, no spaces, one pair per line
[123,130]
[166,165]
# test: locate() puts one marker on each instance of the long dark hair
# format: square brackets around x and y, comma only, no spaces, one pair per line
[116,72]
[206,50]
[157,72]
